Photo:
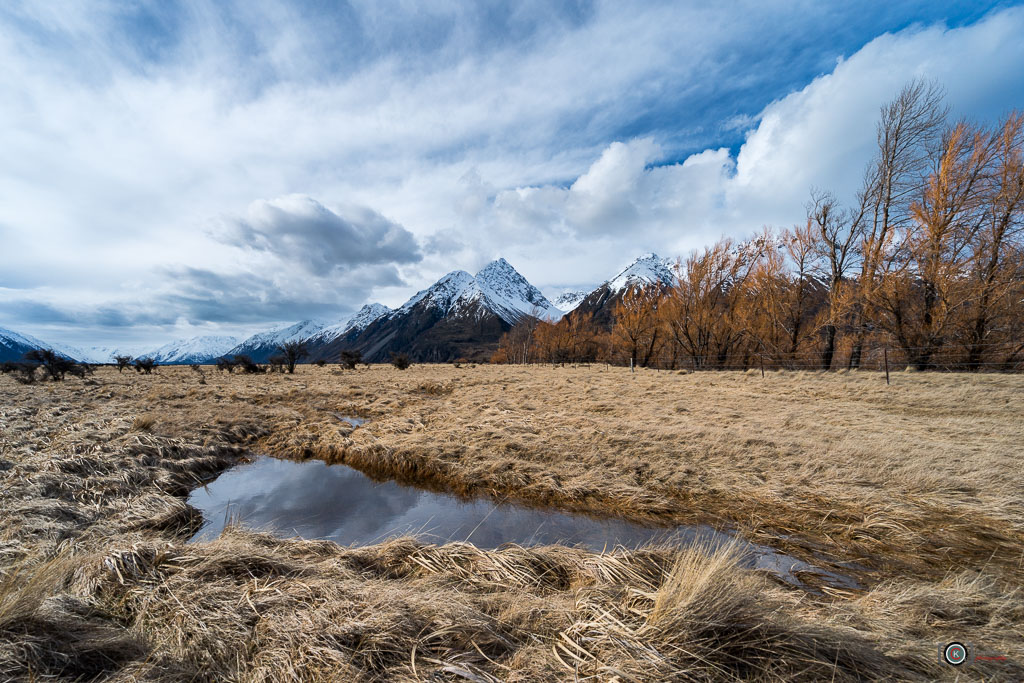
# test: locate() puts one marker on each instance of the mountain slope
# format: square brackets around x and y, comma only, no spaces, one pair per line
[13,345]
[460,315]
[568,301]
[644,271]
[263,345]
[204,349]
[316,333]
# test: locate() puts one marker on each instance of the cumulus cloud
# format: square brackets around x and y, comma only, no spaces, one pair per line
[300,230]
[629,200]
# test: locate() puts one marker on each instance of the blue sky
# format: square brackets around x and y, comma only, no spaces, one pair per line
[181,168]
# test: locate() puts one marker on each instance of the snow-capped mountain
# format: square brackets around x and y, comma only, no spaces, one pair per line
[643,271]
[499,288]
[460,315]
[316,333]
[262,345]
[357,323]
[568,301]
[14,345]
[441,295]
[104,354]
[204,349]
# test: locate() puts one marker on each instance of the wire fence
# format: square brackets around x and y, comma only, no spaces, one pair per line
[1001,358]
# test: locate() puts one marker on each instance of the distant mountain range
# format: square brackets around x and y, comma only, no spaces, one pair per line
[459,316]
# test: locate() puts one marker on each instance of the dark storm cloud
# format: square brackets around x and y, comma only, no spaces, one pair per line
[302,231]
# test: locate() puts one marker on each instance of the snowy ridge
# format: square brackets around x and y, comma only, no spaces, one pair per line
[645,270]
[299,331]
[102,354]
[568,301]
[508,294]
[10,339]
[442,294]
[14,345]
[498,288]
[195,350]
[360,321]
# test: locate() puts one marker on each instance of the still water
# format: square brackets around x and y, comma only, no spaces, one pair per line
[335,502]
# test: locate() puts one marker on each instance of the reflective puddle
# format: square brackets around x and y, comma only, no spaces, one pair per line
[314,500]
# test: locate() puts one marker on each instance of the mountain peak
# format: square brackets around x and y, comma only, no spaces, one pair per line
[645,269]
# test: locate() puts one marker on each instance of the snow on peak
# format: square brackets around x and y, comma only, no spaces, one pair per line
[360,321]
[443,293]
[193,350]
[273,337]
[366,315]
[644,270]
[568,301]
[500,288]
[14,344]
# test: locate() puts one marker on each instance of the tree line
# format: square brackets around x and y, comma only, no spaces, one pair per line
[927,262]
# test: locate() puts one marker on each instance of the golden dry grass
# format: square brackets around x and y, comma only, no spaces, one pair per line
[918,484]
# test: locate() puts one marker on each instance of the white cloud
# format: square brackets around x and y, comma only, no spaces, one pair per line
[116,166]
[822,135]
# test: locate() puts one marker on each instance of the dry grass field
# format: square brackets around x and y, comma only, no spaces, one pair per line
[914,489]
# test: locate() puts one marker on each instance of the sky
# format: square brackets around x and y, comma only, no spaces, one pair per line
[181,167]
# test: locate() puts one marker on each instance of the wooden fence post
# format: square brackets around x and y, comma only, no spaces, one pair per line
[886,354]
[762,366]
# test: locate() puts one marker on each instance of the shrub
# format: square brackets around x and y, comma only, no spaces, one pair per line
[246,364]
[277,363]
[319,362]
[400,360]
[145,365]
[55,365]
[349,359]
[226,364]
[123,362]
[24,373]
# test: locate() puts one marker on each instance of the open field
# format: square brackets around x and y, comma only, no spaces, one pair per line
[914,489]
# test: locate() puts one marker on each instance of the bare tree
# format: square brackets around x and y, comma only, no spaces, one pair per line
[838,236]
[123,362]
[907,126]
[54,364]
[292,352]
[997,255]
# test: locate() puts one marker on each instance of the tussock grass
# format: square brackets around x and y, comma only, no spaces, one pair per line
[915,489]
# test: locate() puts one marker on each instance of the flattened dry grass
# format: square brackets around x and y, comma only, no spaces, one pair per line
[915,489]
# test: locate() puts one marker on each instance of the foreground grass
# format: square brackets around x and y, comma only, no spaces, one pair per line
[915,488]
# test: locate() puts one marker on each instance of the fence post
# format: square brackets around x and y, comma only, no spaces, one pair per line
[631,364]
[762,365]
[885,353]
